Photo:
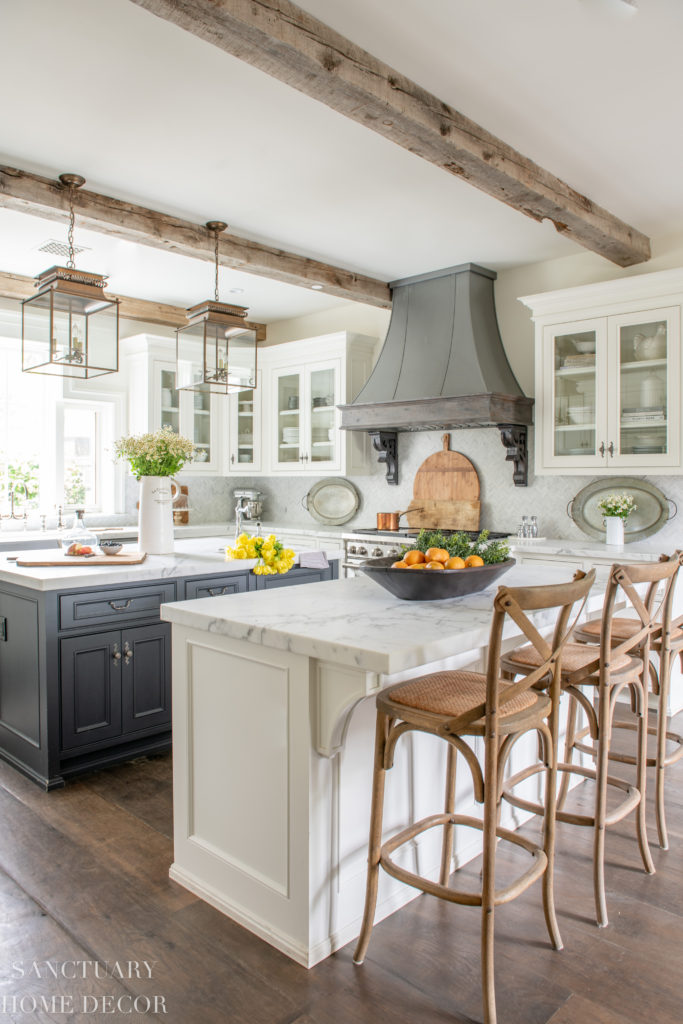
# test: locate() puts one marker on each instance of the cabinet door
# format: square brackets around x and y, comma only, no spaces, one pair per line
[574,395]
[166,398]
[322,391]
[146,677]
[245,431]
[644,350]
[287,396]
[199,417]
[91,668]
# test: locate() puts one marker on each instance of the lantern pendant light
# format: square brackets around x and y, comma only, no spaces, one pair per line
[70,328]
[216,351]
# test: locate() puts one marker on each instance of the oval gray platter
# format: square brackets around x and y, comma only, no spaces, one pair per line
[649,517]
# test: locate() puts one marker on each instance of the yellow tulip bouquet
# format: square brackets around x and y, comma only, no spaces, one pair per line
[272,555]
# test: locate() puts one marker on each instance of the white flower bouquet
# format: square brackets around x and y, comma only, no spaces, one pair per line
[620,505]
[163,453]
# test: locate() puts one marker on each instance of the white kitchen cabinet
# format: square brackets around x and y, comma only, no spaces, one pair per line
[155,402]
[608,377]
[244,433]
[304,381]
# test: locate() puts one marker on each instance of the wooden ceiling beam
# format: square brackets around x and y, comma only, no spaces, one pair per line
[16,286]
[291,45]
[42,197]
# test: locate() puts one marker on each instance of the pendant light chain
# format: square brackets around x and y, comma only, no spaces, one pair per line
[71,264]
[216,259]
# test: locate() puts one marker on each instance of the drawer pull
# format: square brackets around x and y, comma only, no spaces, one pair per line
[116,656]
[119,606]
[217,591]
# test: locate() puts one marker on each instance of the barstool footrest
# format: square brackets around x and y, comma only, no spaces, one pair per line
[509,892]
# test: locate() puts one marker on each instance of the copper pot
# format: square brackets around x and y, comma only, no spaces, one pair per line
[389,520]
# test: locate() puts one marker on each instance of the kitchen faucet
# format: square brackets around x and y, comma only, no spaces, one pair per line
[239,516]
[12,492]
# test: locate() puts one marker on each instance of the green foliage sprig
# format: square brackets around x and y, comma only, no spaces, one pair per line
[491,551]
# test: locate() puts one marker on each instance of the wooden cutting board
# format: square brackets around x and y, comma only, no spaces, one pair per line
[113,561]
[446,486]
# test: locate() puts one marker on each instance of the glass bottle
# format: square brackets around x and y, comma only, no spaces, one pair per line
[533,527]
[79,533]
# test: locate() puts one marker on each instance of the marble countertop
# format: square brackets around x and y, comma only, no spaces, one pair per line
[356,622]
[191,557]
[640,551]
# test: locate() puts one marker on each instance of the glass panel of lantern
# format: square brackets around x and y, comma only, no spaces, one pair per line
[214,355]
[70,334]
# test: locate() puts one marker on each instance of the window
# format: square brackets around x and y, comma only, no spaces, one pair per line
[60,447]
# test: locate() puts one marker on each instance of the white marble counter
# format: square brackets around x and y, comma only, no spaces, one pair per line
[356,622]
[640,551]
[191,557]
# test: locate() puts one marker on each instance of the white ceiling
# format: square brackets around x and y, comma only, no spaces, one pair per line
[587,88]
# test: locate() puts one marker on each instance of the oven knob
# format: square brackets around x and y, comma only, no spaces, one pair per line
[362,551]
[377,553]
[352,549]
[395,553]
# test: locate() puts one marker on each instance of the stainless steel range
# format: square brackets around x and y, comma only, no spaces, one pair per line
[369,543]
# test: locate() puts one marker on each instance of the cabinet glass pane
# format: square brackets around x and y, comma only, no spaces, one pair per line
[288,403]
[201,434]
[245,427]
[643,352]
[574,394]
[323,432]
[170,404]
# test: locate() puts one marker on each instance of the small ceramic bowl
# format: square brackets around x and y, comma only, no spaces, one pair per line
[110,547]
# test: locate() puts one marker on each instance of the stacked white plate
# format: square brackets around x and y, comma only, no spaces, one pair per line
[290,435]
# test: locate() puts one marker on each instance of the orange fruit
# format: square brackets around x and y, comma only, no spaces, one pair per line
[411,557]
[473,561]
[434,565]
[418,565]
[437,555]
[456,562]
[399,565]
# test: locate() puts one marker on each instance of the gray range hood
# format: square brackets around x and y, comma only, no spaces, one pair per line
[442,366]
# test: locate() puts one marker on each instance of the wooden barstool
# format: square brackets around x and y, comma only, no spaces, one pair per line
[606,670]
[458,704]
[667,643]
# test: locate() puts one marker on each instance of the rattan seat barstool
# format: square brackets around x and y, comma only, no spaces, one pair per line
[454,705]
[666,643]
[594,677]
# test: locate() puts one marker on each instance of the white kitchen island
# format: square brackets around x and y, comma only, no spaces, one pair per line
[273,726]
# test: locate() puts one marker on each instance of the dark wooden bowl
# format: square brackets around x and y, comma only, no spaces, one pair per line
[432,584]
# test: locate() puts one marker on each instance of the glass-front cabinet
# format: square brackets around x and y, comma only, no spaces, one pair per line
[303,383]
[245,431]
[156,402]
[608,388]
[306,426]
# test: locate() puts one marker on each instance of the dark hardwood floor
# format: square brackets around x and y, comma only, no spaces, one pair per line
[84,878]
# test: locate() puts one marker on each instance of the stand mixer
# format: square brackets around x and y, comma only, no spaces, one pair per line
[249,506]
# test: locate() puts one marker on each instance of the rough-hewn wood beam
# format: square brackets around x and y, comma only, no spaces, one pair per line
[294,47]
[42,197]
[16,286]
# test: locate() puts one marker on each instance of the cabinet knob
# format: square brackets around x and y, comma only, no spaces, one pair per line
[127,652]
[116,656]
[601,449]
[610,449]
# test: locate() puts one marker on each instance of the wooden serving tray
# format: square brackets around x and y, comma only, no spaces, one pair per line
[66,560]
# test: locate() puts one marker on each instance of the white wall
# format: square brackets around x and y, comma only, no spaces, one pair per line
[514,318]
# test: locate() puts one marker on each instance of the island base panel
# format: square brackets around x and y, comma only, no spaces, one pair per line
[268,830]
